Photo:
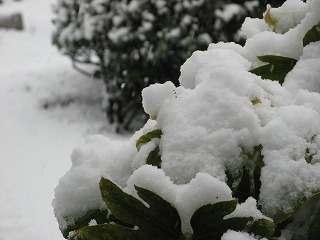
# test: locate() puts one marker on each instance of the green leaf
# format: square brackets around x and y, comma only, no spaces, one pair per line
[234,179]
[313,35]
[105,232]
[281,216]
[261,227]
[208,222]
[154,158]
[314,228]
[250,180]
[277,69]
[269,20]
[101,216]
[159,220]
[256,101]
[147,137]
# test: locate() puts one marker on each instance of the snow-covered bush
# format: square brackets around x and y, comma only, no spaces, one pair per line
[232,153]
[131,44]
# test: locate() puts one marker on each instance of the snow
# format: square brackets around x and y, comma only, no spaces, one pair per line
[155,95]
[284,21]
[219,112]
[35,142]
[203,189]
[232,235]
[247,209]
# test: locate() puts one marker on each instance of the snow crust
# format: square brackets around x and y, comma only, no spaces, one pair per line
[220,111]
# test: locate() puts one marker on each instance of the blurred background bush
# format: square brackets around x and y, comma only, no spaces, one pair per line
[130,44]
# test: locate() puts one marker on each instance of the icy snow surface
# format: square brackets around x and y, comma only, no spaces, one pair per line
[35,143]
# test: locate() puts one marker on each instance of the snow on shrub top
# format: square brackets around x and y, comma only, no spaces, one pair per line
[207,130]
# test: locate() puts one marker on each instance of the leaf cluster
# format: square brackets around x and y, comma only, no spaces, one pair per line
[155,218]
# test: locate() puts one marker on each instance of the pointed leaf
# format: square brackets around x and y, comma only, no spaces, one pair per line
[101,216]
[207,221]
[277,69]
[154,158]
[166,215]
[313,35]
[151,221]
[281,217]
[147,137]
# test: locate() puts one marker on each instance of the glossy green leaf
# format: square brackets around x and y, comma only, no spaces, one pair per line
[154,158]
[313,35]
[101,216]
[314,228]
[276,69]
[159,220]
[147,137]
[208,222]
[281,216]
[106,232]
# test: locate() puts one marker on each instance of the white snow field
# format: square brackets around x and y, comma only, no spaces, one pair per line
[36,143]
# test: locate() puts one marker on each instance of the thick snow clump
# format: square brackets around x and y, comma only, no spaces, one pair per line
[219,112]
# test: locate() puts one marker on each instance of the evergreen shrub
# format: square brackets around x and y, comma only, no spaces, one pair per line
[130,44]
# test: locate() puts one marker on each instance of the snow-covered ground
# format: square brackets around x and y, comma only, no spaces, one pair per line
[36,143]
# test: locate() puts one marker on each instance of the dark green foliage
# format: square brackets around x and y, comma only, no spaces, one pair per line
[98,215]
[154,158]
[281,217]
[161,221]
[314,228]
[130,45]
[208,222]
[313,35]
[147,137]
[276,69]
[246,183]
[158,221]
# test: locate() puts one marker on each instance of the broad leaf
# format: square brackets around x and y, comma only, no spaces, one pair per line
[158,221]
[276,69]
[154,158]
[281,216]
[208,222]
[314,228]
[313,35]
[101,216]
[147,137]
[106,232]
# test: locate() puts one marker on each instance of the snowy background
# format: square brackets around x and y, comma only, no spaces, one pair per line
[35,142]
